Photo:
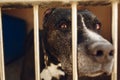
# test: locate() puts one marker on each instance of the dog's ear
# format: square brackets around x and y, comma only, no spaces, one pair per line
[48,12]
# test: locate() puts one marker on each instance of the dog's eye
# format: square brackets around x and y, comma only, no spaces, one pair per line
[98,26]
[63,26]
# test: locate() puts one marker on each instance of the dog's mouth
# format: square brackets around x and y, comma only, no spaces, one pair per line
[87,67]
[91,68]
[94,74]
[98,73]
[103,70]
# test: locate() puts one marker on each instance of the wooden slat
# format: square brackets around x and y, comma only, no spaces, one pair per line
[115,37]
[36,42]
[74,40]
[2,71]
[48,3]
[12,1]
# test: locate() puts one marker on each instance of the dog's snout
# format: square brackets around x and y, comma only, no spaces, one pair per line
[103,52]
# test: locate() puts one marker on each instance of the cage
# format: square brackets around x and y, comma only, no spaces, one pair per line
[32,12]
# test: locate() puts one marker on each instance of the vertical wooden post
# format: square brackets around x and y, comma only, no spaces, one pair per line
[2,71]
[36,42]
[115,37]
[74,40]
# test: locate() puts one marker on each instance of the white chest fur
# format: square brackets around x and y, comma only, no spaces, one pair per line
[52,71]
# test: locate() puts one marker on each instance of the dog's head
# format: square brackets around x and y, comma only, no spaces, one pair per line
[94,53]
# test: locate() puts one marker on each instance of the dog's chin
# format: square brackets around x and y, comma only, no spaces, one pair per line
[97,73]
[105,69]
[91,68]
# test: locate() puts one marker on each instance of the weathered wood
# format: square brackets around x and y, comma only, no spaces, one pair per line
[115,37]
[74,40]
[2,71]
[36,42]
[50,3]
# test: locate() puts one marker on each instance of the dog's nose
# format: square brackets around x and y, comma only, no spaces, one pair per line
[102,51]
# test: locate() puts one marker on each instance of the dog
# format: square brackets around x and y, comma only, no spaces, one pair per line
[94,53]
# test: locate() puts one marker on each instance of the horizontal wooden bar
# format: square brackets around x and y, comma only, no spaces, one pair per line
[51,3]
[13,1]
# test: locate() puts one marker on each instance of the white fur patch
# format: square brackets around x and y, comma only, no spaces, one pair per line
[90,33]
[94,36]
[52,71]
